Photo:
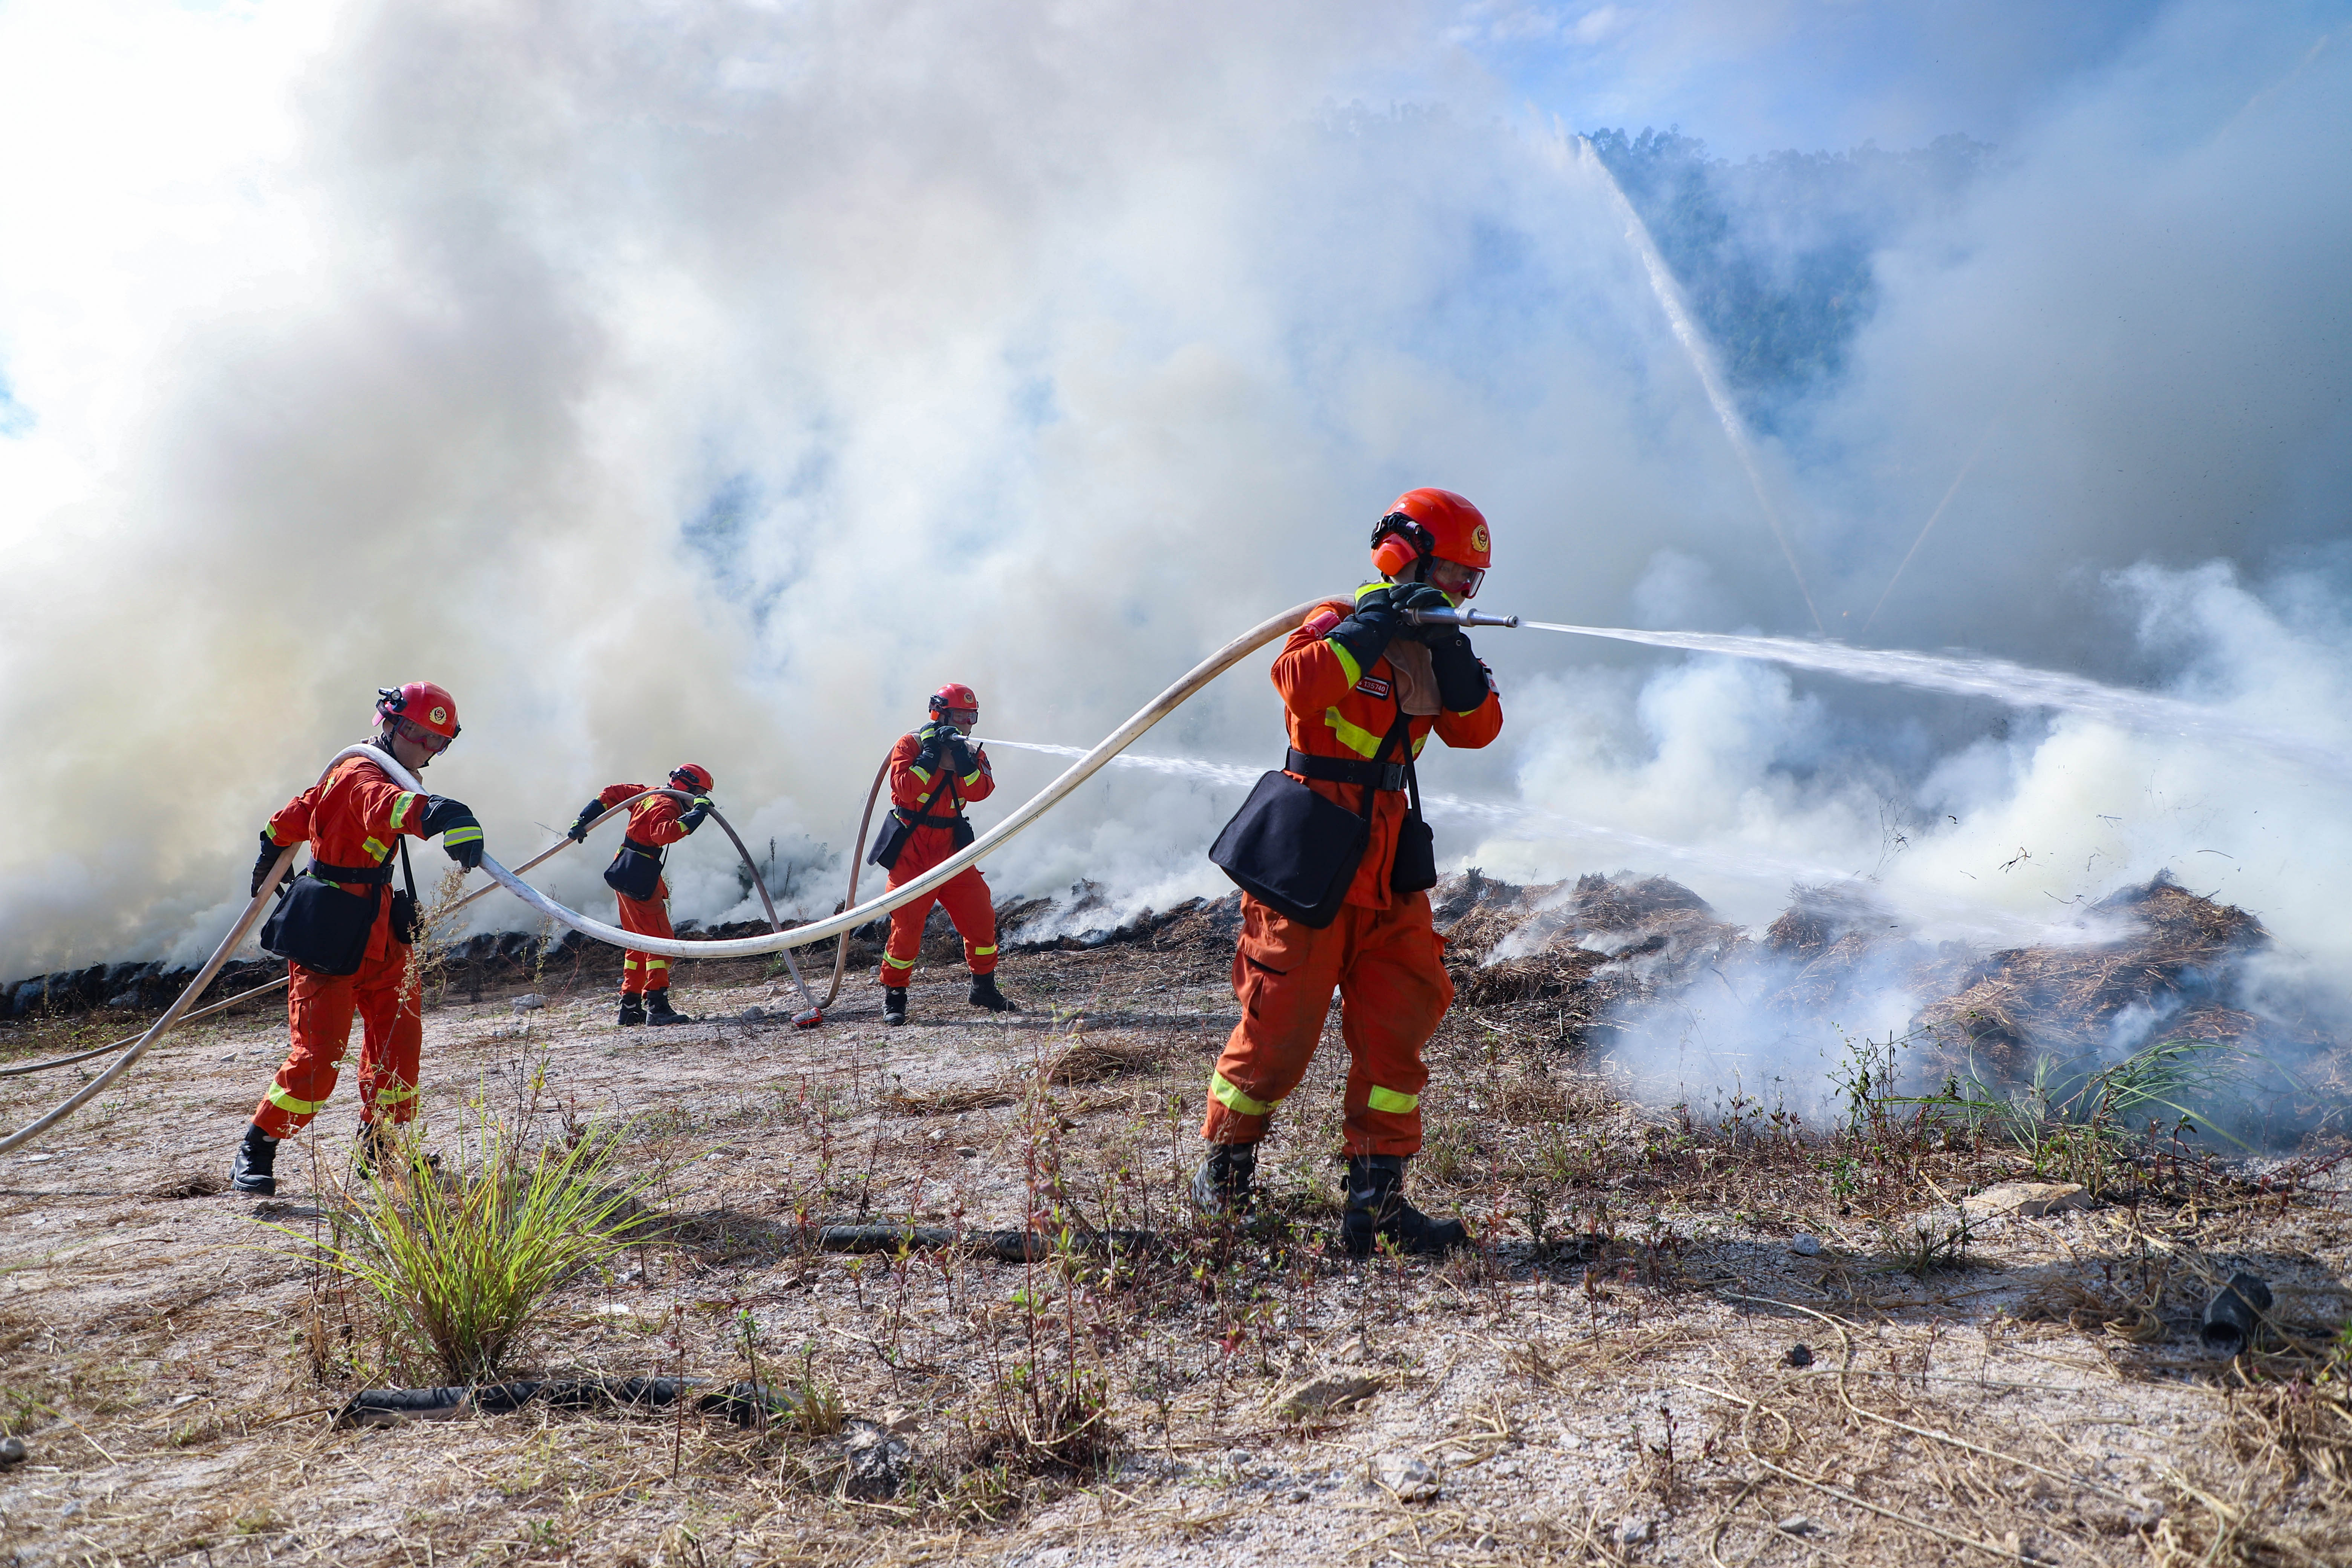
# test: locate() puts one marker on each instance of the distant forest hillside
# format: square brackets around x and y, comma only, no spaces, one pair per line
[1774,254]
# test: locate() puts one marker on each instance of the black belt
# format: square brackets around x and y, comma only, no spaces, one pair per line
[653,849]
[911,820]
[374,876]
[1345,770]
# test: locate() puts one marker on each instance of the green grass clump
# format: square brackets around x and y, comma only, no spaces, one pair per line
[462,1260]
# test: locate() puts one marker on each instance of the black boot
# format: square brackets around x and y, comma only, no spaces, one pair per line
[1224,1184]
[633,1008]
[1377,1212]
[984,994]
[893,1005]
[658,1010]
[255,1169]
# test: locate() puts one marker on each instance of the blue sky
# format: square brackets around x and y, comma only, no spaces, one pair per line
[1754,75]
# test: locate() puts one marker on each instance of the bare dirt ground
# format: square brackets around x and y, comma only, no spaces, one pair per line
[1614,1377]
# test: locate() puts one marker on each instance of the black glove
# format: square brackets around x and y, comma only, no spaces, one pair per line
[461,836]
[1461,683]
[269,853]
[934,738]
[1418,596]
[1366,634]
[691,817]
[588,814]
[957,752]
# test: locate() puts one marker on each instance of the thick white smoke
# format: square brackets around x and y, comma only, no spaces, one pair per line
[713,382]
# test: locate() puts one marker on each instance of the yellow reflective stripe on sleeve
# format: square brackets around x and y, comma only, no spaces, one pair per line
[1392,1102]
[1347,660]
[1372,588]
[1221,1089]
[973,777]
[1419,742]
[922,775]
[286,1102]
[375,849]
[898,963]
[1355,737]
[400,805]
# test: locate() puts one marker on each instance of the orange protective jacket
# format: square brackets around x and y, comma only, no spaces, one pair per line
[354,817]
[653,820]
[1334,710]
[910,786]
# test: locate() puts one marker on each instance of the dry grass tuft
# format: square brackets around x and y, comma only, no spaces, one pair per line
[1087,1060]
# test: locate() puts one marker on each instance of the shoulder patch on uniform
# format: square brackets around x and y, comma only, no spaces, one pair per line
[1321,623]
[1373,686]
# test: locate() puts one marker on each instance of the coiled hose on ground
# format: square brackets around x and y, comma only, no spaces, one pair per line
[777,941]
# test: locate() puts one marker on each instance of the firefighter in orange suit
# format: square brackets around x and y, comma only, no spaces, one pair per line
[1347,677]
[655,823]
[934,772]
[352,822]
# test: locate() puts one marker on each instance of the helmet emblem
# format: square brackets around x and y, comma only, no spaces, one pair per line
[440,715]
[1479,537]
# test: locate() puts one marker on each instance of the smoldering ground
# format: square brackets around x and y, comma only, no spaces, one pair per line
[713,387]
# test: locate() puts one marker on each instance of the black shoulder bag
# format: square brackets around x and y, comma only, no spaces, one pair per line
[636,872]
[1295,851]
[891,842]
[320,927]
[1414,869]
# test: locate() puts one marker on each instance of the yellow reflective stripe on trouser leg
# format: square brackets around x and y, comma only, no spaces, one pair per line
[1392,1102]
[1222,1090]
[286,1102]
[983,951]
[396,1092]
[652,963]
[898,963]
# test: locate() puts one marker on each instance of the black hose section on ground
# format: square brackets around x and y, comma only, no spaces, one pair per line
[745,1404]
[1008,1246]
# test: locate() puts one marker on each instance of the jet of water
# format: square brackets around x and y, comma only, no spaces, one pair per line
[1973,674]
[1693,342]
[1922,910]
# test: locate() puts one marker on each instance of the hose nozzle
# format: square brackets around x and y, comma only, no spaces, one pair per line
[1457,618]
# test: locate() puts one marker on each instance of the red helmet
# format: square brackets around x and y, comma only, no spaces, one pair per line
[1426,523]
[423,704]
[698,777]
[954,695]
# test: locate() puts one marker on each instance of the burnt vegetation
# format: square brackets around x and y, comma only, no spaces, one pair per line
[946,1292]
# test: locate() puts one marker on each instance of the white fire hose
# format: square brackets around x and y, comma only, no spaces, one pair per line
[778,941]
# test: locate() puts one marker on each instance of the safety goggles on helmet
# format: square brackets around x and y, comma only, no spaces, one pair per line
[962,718]
[1466,586]
[409,729]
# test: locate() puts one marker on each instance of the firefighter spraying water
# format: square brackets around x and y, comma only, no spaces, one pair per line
[657,821]
[1334,861]
[346,943]
[934,772]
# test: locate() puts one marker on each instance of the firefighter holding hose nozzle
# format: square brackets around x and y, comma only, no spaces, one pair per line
[934,772]
[1335,864]
[345,941]
[635,876]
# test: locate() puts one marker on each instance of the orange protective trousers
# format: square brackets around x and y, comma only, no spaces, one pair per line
[319,1008]
[965,898]
[1389,967]
[643,971]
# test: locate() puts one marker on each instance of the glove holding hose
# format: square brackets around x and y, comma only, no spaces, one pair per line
[270,850]
[1367,633]
[461,836]
[1410,598]
[1462,680]
[578,831]
[692,816]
